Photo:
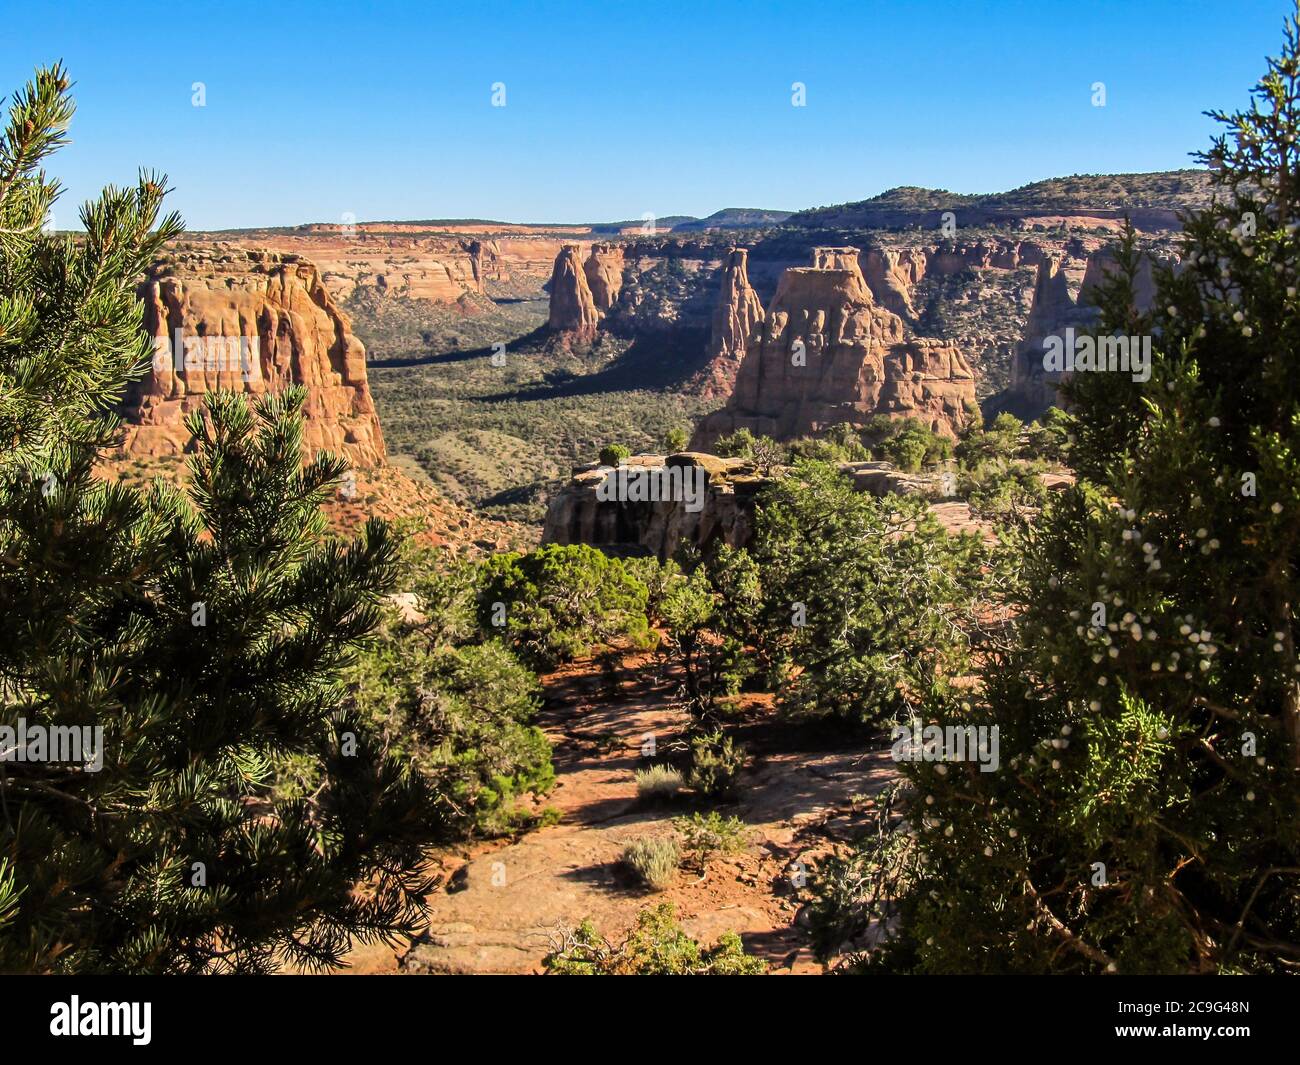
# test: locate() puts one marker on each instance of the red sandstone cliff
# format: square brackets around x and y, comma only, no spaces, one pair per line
[604,272]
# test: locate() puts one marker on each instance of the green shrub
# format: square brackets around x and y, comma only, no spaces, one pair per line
[614,455]
[560,602]
[706,836]
[716,764]
[711,662]
[654,859]
[658,946]
[739,444]
[676,440]
[658,577]
[658,783]
[869,598]
[457,713]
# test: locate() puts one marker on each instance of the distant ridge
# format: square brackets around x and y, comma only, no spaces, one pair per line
[1167,191]
[1159,194]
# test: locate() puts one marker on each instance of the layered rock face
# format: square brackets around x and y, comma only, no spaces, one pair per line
[252,322]
[1102,263]
[826,352]
[572,309]
[604,272]
[579,515]
[738,313]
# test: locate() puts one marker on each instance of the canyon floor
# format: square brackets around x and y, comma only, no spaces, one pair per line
[500,903]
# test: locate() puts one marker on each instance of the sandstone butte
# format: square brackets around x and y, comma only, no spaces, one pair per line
[252,322]
[827,352]
[572,307]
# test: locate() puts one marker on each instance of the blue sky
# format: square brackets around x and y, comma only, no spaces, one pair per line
[613,110]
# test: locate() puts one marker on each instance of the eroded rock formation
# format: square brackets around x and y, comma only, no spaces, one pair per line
[1033,388]
[578,515]
[827,352]
[890,280]
[572,308]
[253,322]
[738,313]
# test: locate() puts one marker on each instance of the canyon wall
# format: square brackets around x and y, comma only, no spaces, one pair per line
[1033,388]
[252,322]
[604,270]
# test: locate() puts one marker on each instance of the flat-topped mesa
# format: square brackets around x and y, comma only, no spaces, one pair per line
[604,273]
[827,352]
[572,308]
[738,313]
[252,322]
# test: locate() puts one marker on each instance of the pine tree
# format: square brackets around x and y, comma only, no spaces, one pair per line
[1145,816]
[189,642]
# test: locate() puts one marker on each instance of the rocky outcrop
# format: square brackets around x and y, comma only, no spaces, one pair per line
[827,352]
[717,506]
[572,309]
[738,313]
[583,513]
[604,272]
[1102,263]
[252,322]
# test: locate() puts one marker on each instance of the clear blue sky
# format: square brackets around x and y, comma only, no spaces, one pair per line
[615,109]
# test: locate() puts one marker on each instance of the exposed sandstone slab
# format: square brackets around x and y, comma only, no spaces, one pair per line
[579,515]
